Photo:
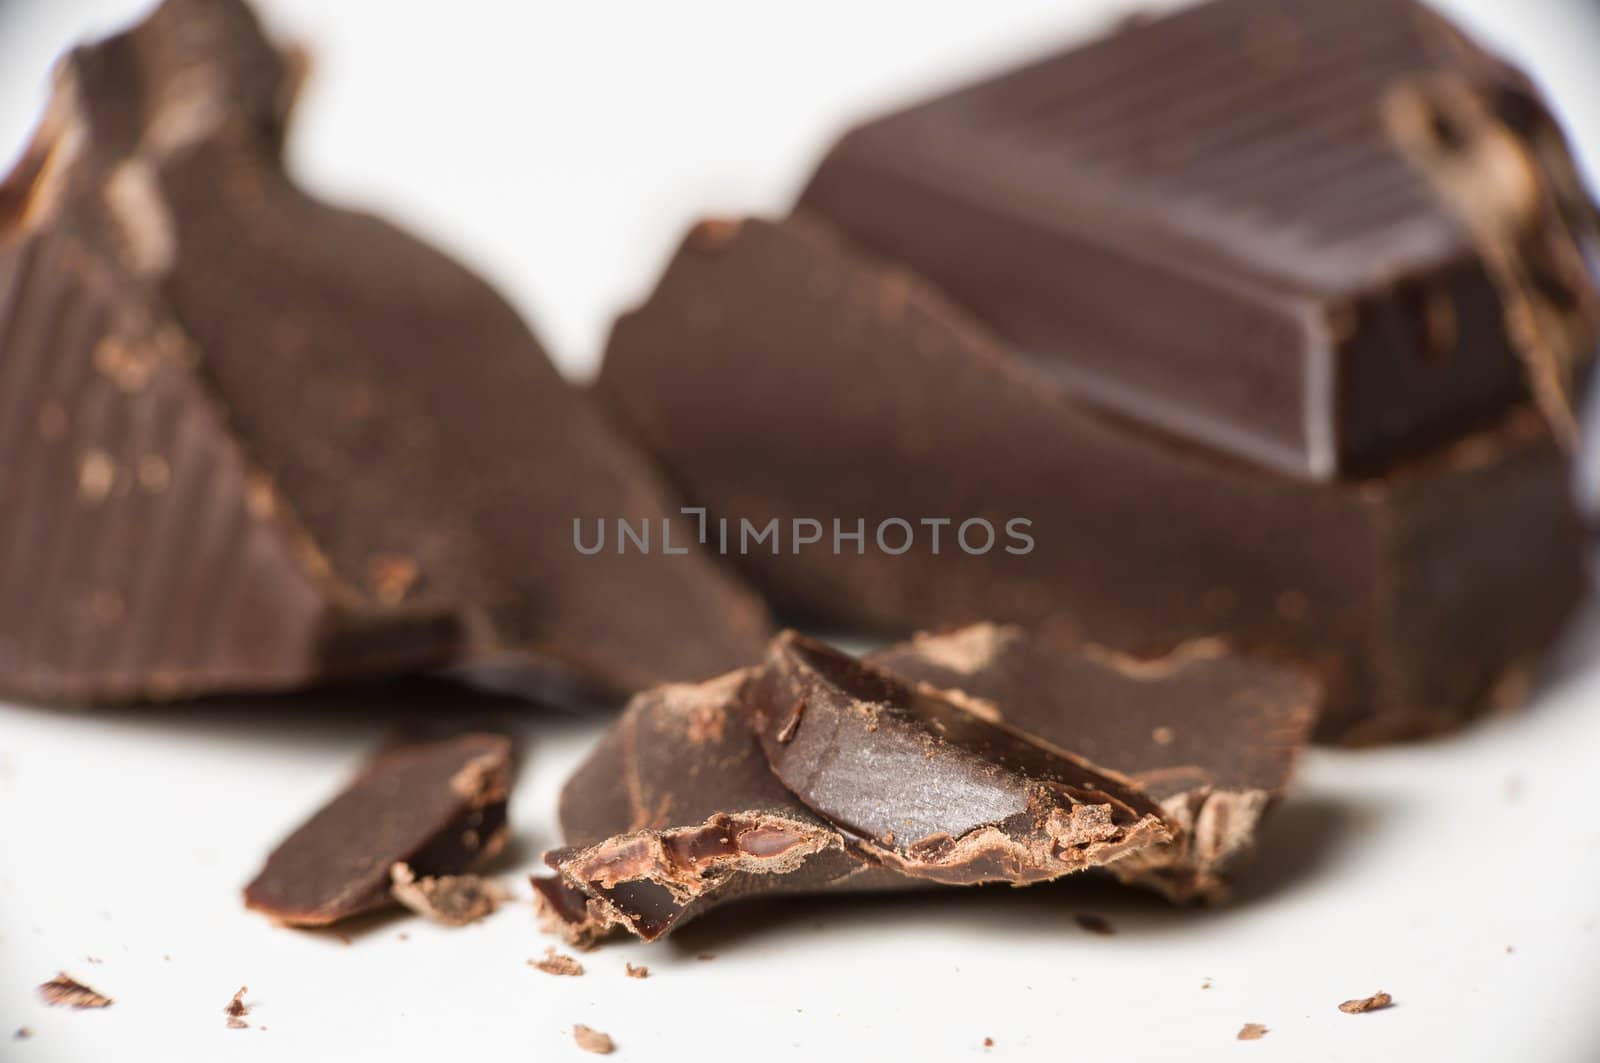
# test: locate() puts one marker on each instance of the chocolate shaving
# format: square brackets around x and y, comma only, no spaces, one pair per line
[640,971]
[454,900]
[237,1009]
[557,964]
[1376,1002]
[592,1040]
[64,991]
[1252,1031]
[1212,735]
[437,807]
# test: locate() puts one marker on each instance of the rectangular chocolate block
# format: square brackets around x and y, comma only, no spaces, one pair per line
[1202,223]
[779,373]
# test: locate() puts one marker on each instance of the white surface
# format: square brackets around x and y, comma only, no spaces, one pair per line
[562,148]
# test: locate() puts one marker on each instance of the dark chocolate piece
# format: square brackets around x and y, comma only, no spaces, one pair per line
[778,373]
[1376,1002]
[929,788]
[680,809]
[676,811]
[1201,224]
[1211,735]
[436,807]
[250,441]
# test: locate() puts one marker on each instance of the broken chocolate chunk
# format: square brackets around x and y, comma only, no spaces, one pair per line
[683,807]
[454,900]
[65,991]
[437,807]
[1201,224]
[254,442]
[1413,593]
[1210,734]
[676,811]
[928,788]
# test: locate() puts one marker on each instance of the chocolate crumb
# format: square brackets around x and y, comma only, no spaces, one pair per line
[988,1042]
[237,1009]
[1376,1002]
[22,1034]
[65,991]
[591,1040]
[1206,984]
[454,900]
[555,963]
[640,971]
[1252,1031]
[1094,924]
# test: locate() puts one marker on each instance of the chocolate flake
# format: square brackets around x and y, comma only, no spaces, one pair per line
[557,964]
[64,991]
[640,971]
[454,900]
[237,1009]
[592,1040]
[1376,1002]
[1252,1031]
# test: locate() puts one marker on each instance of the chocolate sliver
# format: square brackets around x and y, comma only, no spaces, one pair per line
[929,788]
[437,807]
[1211,734]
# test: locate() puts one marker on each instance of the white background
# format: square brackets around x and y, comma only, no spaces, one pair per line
[562,149]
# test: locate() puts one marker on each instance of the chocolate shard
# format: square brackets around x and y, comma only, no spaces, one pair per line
[436,807]
[1210,734]
[1201,223]
[676,812]
[929,788]
[1419,595]
[249,441]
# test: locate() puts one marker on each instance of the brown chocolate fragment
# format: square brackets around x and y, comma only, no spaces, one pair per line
[1252,1031]
[23,1033]
[454,900]
[591,1040]
[1413,593]
[1376,1002]
[437,807]
[237,1009]
[557,964]
[1211,735]
[677,811]
[681,807]
[65,991]
[640,971]
[866,752]
[253,441]
[1202,225]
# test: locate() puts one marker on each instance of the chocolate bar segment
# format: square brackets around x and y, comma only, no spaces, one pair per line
[1201,223]
[930,788]
[436,807]
[249,441]
[1212,735]
[812,382]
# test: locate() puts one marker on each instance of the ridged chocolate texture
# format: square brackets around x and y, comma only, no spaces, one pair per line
[251,441]
[1201,222]
[1210,734]
[776,372]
